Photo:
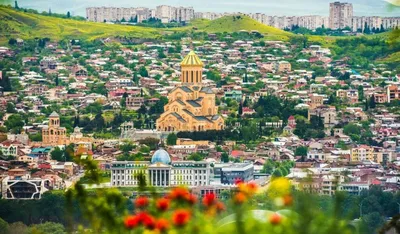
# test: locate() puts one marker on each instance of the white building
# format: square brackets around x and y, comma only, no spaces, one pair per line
[110,14]
[354,188]
[161,172]
[24,188]
[169,13]
[340,15]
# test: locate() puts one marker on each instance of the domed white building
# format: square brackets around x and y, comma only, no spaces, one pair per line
[161,172]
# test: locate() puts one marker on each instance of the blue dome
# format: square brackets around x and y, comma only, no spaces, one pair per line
[161,156]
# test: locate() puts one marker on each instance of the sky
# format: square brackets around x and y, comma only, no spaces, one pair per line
[269,7]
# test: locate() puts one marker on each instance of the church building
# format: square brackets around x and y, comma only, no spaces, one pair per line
[191,106]
[53,134]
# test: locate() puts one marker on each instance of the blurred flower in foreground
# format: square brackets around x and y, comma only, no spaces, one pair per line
[131,221]
[279,187]
[209,199]
[179,193]
[181,217]
[162,225]
[275,219]
[162,204]
[141,202]
[239,198]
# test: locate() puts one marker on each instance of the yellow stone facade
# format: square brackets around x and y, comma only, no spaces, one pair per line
[54,134]
[191,107]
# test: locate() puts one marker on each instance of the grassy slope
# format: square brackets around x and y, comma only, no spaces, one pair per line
[233,24]
[25,25]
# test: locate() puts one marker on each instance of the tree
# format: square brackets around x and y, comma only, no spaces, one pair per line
[224,157]
[301,151]
[240,110]
[17,228]
[277,173]
[161,54]
[127,147]
[152,143]
[14,123]
[76,121]
[68,14]
[5,82]
[171,139]
[16,5]
[372,103]
[47,227]
[12,41]
[135,78]
[373,221]
[360,93]
[10,108]
[143,71]
[352,129]
[56,81]
[268,167]
[3,226]
[57,154]
[195,157]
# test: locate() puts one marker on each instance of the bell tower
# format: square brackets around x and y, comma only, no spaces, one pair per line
[191,69]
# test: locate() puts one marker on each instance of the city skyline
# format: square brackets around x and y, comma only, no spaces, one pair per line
[287,7]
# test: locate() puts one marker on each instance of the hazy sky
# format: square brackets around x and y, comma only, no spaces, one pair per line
[269,7]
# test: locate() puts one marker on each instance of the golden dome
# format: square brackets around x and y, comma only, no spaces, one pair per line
[191,60]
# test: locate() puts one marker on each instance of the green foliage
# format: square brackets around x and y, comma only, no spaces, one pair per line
[14,123]
[57,154]
[46,228]
[171,139]
[3,226]
[224,157]
[195,157]
[301,151]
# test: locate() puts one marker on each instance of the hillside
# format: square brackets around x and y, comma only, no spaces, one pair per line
[236,23]
[25,25]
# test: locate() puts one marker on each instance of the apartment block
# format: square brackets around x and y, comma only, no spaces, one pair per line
[340,15]
[110,14]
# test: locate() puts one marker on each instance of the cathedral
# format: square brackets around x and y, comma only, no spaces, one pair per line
[191,107]
[54,134]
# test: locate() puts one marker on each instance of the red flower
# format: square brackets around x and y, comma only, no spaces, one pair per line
[192,199]
[162,225]
[239,198]
[131,221]
[179,193]
[287,200]
[162,204]
[275,219]
[220,206]
[181,217]
[149,222]
[252,187]
[142,216]
[238,181]
[209,199]
[141,202]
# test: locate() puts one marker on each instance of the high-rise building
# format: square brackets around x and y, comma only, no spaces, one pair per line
[109,14]
[169,13]
[191,106]
[340,15]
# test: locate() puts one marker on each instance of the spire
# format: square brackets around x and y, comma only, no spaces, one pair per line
[191,60]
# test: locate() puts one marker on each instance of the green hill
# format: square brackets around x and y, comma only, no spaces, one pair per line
[237,23]
[26,25]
